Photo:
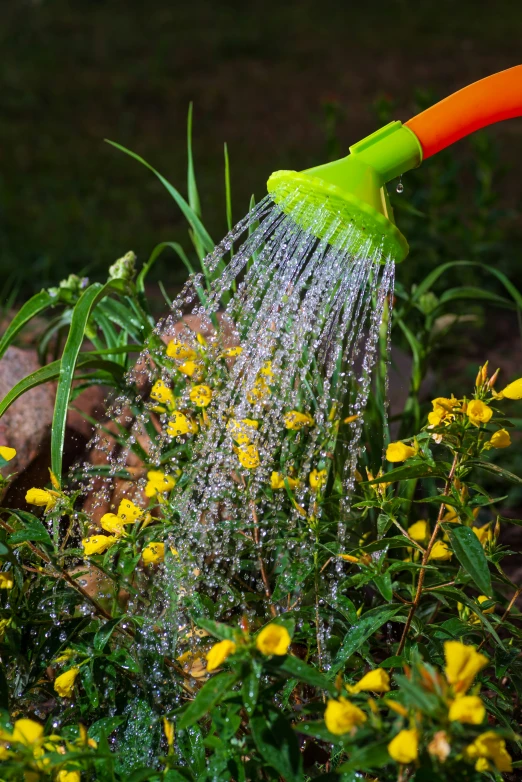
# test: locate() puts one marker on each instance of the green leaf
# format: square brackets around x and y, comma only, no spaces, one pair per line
[384,585]
[51,372]
[155,254]
[210,694]
[33,530]
[191,217]
[372,756]
[218,629]
[250,688]
[496,470]
[35,305]
[369,623]
[290,579]
[470,554]
[105,632]
[228,191]
[415,695]
[300,670]
[89,298]
[4,690]
[475,293]
[193,194]
[278,746]
[405,472]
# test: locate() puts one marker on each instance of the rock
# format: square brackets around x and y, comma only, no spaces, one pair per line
[26,424]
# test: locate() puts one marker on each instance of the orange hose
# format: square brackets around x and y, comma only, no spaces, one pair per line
[489,100]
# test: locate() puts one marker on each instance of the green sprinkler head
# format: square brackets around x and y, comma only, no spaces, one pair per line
[353,189]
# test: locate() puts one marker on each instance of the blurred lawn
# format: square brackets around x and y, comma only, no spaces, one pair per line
[261,77]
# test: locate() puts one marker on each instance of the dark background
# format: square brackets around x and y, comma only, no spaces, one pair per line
[286,84]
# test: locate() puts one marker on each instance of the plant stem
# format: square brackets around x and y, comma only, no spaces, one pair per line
[426,557]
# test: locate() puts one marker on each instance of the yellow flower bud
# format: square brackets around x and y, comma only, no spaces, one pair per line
[500,439]
[513,390]
[273,639]
[153,553]
[201,396]
[181,424]
[41,498]
[168,729]
[97,544]
[64,684]
[161,393]
[374,681]
[349,558]
[219,653]
[440,551]
[468,709]
[490,746]
[462,664]
[419,531]
[404,748]
[350,419]
[27,732]
[399,452]
[6,580]
[7,453]
[397,707]
[296,420]
[478,413]
[318,479]
[341,716]
[180,350]
[248,456]
[159,483]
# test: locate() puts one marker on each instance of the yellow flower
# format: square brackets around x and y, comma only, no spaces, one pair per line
[266,370]
[248,456]
[181,424]
[112,523]
[468,709]
[168,729]
[475,619]
[191,369]
[462,664]
[6,580]
[153,553]
[64,684]
[374,681]
[180,350]
[97,544]
[318,479]
[7,453]
[159,483]
[42,498]
[273,639]
[478,413]
[296,420]
[397,707]
[419,531]
[219,653]
[500,439]
[277,481]
[341,716]
[129,511]
[399,452]
[440,551]
[484,533]
[68,776]
[27,732]
[513,390]
[162,393]
[241,431]
[404,748]
[436,417]
[259,391]
[201,396]
[490,746]
[443,405]
[232,352]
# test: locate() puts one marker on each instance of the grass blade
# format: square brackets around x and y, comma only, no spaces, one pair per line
[35,305]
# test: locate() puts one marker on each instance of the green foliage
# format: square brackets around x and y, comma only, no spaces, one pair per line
[286,695]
